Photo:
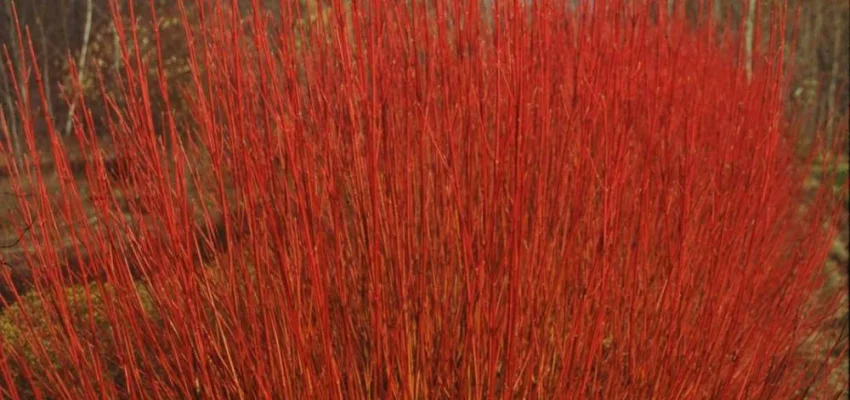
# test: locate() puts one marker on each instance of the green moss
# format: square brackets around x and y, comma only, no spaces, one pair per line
[30,335]
[90,324]
[837,176]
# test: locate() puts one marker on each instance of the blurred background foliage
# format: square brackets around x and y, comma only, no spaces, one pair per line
[82,31]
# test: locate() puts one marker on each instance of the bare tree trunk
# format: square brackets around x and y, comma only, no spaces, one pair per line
[45,68]
[116,44]
[717,10]
[749,33]
[12,112]
[9,118]
[81,65]
[835,73]
[815,77]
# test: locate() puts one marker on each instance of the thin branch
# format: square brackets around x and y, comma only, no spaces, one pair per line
[18,240]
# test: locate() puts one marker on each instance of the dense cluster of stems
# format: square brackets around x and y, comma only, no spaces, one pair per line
[429,199]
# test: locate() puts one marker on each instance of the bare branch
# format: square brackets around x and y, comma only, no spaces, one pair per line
[18,240]
[81,64]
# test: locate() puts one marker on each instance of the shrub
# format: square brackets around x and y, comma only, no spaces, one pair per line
[439,200]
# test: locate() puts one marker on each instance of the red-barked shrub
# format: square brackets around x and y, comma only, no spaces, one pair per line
[430,199]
